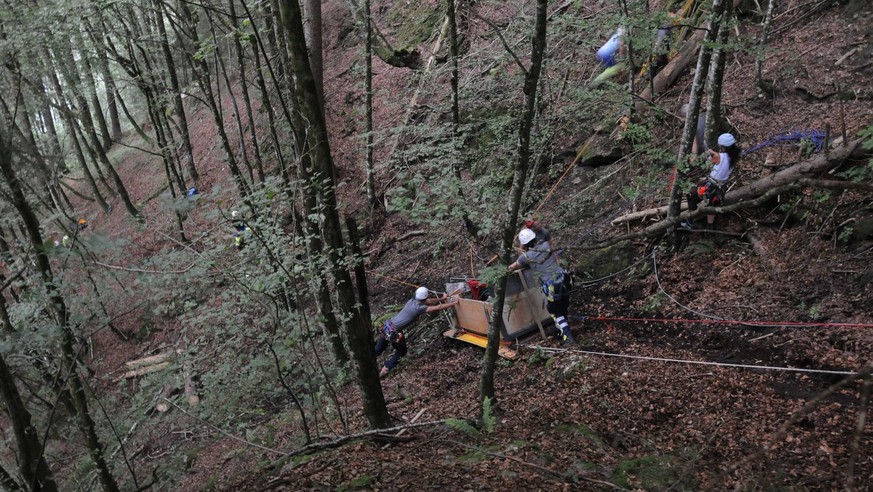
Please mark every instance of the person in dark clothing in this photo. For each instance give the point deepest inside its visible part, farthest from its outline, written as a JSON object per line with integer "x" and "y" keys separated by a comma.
{"x": 392, "y": 331}
{"x": 711, "y": 188}
{"x": 557, "y": 284}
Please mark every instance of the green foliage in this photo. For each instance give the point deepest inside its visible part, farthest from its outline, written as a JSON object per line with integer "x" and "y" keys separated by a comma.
{"x": 654, "y": 302}
{"x": 488, "y": 419}
{"x": 649, "y": 473}
{"x": 358, "y": 483}
{"x": 462, "y": 426}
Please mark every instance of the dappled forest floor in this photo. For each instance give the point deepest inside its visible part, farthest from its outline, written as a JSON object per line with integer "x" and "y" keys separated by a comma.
{"x": 574, "y": 418}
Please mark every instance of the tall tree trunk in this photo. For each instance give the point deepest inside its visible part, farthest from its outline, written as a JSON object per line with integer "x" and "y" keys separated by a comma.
{"x": 90, "y": 86}
{"x": 267, "y": 105}
{"x": 31, "y": 460}
{"x": 312, "y": 28}
{"x": 244, "y": 89}
{"x": 71, "y": 74}
{"x": 201, "y": 75}
{"x": 72, "y": 133}
{"x": 176, "y": 94}
{"x": 452, "y": 15}
{"x": 59, "y": 308}
{"x": 221, "y": 69}
{"x": 764, "y": 85}
{"x": 697, "y": 87}
{"x": 318, "y": 147}
{"x": 510, "y": 218}
{"x": 371, "y": 180}
{"x": 108, "y": 81}
{"x": 714, "y": 116}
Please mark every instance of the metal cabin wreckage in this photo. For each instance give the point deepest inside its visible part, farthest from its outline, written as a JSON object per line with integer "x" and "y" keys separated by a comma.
{"x": 523, "y": 312}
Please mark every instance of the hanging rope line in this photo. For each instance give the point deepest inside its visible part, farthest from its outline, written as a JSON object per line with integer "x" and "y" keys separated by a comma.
{"x": 722, "y": 321}
{"x": 694, "y": 362}
{"x": 661, "y": 288}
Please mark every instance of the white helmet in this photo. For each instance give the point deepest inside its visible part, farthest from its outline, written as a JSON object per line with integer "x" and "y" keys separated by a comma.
{"x": 526, "y": 235}
{"x": 234, "y": 214}
{"x": 726, "y": 140}
{"x": 421, "y": 293}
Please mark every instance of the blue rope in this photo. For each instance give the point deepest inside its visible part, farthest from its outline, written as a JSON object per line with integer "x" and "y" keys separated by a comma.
{"x": 790, "y": 137}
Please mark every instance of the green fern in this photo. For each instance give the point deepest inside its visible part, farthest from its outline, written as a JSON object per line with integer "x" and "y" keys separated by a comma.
{"x": 488, "y": 419}
{"x": 463, "y": 426}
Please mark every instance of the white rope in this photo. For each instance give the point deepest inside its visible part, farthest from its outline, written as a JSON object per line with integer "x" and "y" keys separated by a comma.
{"x": 661, "y": 288}
{"x": 695, "y": 362}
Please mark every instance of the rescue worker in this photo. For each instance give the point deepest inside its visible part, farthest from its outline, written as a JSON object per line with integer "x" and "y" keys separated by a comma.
{"x": 240, "y": 230}
{"x": 556, "y": 282}
{"x": 711, "y": 189}
{"x": 392, "y": 331}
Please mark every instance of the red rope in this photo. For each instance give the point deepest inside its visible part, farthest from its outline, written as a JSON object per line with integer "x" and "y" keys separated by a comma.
{"x": 735, "y": 322}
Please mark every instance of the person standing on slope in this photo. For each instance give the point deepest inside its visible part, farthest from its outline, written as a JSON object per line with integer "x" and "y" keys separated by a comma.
{"x": 557, "y": 283}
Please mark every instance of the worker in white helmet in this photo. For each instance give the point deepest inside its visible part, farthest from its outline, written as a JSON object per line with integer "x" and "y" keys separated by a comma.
{"x": 711, "y": 189}
{"x": 392, "y": 330}
{"x": 240, "y": 228}
{"x": 539, "y": 256}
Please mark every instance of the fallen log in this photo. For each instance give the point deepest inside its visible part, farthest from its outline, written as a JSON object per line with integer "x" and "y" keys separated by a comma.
{"x": 668, "y": 75}
{"x": 148, "y": 361}
{"x": 145, "y": 370}
{"x": 793, "y": 176}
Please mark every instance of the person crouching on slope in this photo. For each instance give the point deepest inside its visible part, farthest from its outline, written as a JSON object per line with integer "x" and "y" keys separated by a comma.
{"x": 392, "y": 330}
{"x": 557, "y": 284}
{"x": 712, "y": 187}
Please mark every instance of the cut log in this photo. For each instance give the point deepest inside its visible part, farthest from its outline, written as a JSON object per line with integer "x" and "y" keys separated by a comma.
{"x": 163, "y": 406}
{"x": 145, "y": 370}
{"x": 148, "y": 361}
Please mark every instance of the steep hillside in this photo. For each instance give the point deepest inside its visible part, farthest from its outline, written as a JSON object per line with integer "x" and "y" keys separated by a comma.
{"x": 683, "y": 377}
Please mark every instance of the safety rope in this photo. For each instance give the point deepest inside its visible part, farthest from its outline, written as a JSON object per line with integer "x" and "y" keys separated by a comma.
{"x": 693, "y": 362}
{"x": 722, "y": 321}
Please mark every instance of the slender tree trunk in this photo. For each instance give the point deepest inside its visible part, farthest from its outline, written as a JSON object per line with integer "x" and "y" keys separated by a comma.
{"x": 714, "y": 116}
{"x": 266, "y": 104}
{"x": 31, "y": 460}
{"x": 318, "y": 147}
{"x": 312, "y": 28}
{"x": 108, "y": 82}
{"x": 59, "y": 308}
{"x": 221, "y": 69}
{"x": 74, "y": 139}
{"x": 531, "y": 82}
{"x": 371, "y": 180}
{"x": 201, "y": 75}
{"x": 87, "y": 76}
{"x": 694, "y": 106}
{"x": 452, "y": 15}
{"x": 96, "y": 146}
{"x": 765, "y": 86}
{"x": 244, "y": 89}
{"x": 176, "y": 94}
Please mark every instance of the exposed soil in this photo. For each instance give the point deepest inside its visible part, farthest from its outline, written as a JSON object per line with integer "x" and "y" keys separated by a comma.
{"x": 570, "y": 419}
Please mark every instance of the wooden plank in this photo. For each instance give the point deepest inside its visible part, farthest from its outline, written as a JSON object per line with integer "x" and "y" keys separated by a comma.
{"x": 471, "y": 315}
